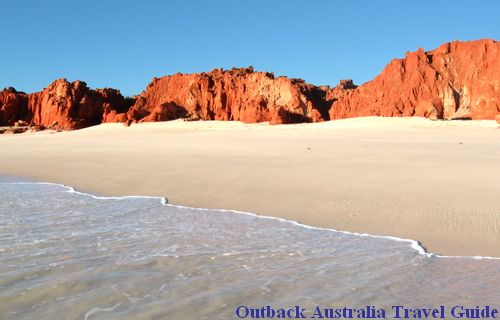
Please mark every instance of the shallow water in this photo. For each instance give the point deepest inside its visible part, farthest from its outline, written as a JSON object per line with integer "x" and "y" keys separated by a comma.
{"x": 67, "y": 255}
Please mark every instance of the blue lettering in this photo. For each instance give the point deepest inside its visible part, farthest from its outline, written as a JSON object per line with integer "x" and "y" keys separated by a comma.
{"x": 238, "y": 312}
{"x": 397, "y": 309}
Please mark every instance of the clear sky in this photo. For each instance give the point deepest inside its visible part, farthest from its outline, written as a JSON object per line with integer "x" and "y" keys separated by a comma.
{"x": 123, "y": 44}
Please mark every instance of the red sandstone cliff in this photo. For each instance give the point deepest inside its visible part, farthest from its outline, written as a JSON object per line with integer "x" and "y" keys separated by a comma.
{"x": 237, "y": 94}
{"x": 13, "y": 106}
{"x": 456, "y": 80}
{"x": 62, "y": 105}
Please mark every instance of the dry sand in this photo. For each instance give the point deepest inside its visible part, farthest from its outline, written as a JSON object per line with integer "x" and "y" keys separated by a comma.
{"x": 434, "y": 181}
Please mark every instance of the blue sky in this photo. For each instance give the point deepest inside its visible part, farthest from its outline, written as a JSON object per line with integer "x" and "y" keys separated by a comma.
{"x": 123, "y": 44}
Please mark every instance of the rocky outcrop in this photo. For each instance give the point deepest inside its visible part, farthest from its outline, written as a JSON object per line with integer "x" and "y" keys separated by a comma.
{"x": 237, "y": 94}
{"x": 114, "y": 105}
{"x": 13, "y": 106}
{"x": 340, "y": 91}
{"x": 72, "y": 105}
{"x": 458, "y": 80}
{"x": 455, "y": 81}
{"x": 63, "y": 105}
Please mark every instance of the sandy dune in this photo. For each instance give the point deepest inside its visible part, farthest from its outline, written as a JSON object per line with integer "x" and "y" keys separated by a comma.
{"x": 433, "y": 181}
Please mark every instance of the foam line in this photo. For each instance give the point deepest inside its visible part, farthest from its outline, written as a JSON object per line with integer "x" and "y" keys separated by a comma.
{"x": 99, "y": 309}
{"x": 414, "y": 244}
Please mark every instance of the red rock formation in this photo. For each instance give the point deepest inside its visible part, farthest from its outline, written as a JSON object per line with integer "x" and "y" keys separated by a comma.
{"x": 12, "y": 106}
{"x": 237, "y": 94}
{"x": 63, "y": 105}
{"x": 114, "y": 105}
{"x": 456, "y": 80}
{"x": 73, "y": 105}
{"x": 340, "y": 91}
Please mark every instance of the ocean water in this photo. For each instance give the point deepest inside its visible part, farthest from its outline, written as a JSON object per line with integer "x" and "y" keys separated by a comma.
{"x": 68, "y": 255}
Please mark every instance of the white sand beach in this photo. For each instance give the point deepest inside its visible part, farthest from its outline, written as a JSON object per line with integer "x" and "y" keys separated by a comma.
{"x": 437, "y": 182}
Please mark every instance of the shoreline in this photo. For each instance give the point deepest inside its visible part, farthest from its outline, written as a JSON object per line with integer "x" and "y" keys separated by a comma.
{"x": 413, "y": 244}
{"x": 269, "y": 171}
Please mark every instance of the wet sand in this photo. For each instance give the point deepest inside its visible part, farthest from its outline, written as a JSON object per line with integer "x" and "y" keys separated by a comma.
{"x": 433, "y": 181}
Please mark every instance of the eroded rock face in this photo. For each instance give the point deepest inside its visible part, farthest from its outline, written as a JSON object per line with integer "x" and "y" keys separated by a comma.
{"x": 72, "y": 105}
{"x": 237, "y": 94}
{"x": 13, "y": 106}
{"x": 114, "y": 105}
{"x": 340, "y": 91}
{"x": 455, "y": 81}
{"x": 63, "y": 105}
